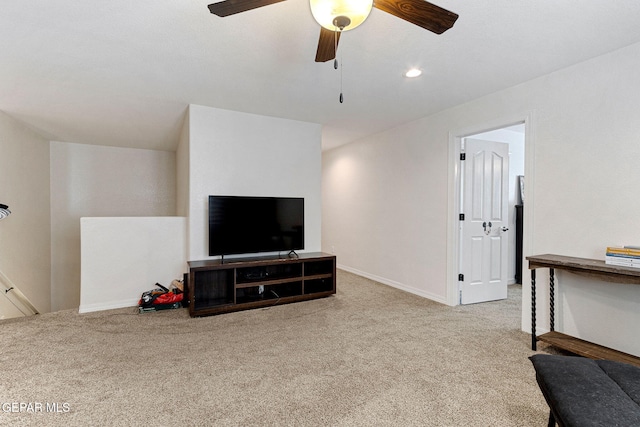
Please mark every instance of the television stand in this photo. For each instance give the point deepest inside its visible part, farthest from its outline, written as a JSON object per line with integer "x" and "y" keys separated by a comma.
{"x": 236, "y": 284}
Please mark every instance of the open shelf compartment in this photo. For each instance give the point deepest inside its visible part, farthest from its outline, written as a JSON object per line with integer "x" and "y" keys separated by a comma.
{"x": 213, "y": 288}
{"x": 268, "y": 273}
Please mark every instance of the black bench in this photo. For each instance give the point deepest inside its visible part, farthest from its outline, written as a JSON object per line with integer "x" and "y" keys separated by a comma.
{"x": 583, "y": 392}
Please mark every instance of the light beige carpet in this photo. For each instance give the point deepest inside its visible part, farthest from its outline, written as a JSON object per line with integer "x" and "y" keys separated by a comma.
{"x": 370, "y": 355}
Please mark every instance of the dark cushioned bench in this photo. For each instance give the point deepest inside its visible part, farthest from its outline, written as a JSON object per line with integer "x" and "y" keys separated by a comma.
{"x": 583, "y": 392}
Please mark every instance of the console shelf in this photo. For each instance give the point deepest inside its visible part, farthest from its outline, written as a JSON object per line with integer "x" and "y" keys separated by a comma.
{"x": 596, "y": 269}
{"x": 217, "y": 286}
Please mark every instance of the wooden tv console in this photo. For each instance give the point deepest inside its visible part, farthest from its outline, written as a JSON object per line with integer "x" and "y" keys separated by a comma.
{"x": 217, "y": 286}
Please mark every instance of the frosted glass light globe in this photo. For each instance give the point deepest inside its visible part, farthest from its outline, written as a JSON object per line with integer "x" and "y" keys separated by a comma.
{"x": 325, "y": 11}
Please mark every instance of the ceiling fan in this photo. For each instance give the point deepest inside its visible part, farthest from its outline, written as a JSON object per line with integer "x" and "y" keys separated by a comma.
{"x": 336, "y": 16}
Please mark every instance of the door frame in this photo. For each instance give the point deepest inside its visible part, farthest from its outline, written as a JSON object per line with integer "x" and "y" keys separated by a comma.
{"x": 453, "y": 209}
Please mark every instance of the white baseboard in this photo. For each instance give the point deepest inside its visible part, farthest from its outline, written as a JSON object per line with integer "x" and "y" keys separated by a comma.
{"x": 88, "y": 308}
{"x": 393, "y": 284}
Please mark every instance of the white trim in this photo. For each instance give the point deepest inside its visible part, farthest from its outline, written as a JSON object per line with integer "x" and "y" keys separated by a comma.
{"x": 88, "y": 308}
{"x": 529, "y": 172}
{"x": 453, "y": 223}
{"x": 528, "y": 234}
{"x": 393, "y": 284}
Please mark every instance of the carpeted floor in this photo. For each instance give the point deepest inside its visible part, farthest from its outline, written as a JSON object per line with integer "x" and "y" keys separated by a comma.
{"x": 369, "y": 356}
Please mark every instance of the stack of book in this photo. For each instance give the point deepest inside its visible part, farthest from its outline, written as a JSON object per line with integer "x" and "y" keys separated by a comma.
{"x": 626, "y": 256}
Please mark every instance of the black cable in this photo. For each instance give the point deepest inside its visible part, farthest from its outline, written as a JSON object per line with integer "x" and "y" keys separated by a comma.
{"x": 276, "y": 301}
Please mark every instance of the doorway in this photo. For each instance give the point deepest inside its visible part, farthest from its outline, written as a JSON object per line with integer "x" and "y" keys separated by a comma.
{"x": 461, "y": 261}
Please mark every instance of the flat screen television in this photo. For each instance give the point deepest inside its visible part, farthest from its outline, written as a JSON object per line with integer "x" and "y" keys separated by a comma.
{"x": 243, "y": 225}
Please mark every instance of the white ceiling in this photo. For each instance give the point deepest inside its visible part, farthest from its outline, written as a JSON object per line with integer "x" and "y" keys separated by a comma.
{"x": 123, "y": 72}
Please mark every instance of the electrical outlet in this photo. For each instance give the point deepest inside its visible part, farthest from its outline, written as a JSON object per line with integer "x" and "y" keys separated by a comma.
{"x": 333, "y": 250}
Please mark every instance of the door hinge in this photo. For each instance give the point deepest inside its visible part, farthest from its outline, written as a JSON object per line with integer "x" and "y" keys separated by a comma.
{"x": 460, "y": 277}
{"x": 463, "y": 156}
{"x": 462, "y": 217}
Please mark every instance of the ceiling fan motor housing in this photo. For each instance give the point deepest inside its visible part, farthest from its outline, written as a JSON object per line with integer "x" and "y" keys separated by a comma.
{"x": 341, "y": 22}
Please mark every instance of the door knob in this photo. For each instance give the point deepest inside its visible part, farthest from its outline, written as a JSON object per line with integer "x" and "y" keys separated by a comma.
{"x": 505, "y": 228}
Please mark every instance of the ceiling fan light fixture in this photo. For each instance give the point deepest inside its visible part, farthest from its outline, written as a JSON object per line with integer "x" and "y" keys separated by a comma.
{"x": 340, "y": 14}
{"x": 4, "y": 211}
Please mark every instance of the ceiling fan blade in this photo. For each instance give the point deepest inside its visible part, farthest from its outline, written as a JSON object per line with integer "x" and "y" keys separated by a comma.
{"x": 231, "y": 7}
{"x": 419, "y": 12}
{"x": 327, "y": 45}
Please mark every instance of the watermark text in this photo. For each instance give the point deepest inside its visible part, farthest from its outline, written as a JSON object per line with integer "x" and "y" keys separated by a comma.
{"x": 35, "y": 407}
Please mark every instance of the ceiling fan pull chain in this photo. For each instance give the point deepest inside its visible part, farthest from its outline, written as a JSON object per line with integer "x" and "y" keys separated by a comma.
{"x": 341, "y": 67}
{"x": 335, "y": 57}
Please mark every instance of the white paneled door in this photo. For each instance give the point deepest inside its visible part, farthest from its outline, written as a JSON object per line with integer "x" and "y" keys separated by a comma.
{"x": 484, "y": 242}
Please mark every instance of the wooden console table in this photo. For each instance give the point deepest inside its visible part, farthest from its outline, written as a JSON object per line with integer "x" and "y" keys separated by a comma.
{"x": 595, "y": 269}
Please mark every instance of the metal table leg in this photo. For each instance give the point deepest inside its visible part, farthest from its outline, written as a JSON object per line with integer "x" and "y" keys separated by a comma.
{"x": 552, "y": 300}
{"x": 534, "y": 340}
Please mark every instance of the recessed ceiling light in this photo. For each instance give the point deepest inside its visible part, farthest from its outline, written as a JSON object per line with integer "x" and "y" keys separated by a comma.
{"x": 414, "y": 72}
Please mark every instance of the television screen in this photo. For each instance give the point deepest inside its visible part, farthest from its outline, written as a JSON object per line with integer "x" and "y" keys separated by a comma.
{"x": 242, "y": 225}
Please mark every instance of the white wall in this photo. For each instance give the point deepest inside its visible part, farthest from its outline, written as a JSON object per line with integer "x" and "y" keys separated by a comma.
{"x": 25, "y": 235}
{"x": 385, "y": 197}
{"x": 385, "y": 206}
{"x": 124, "y": 257}
{"x": 242, "y": 154}
{"x": 220, "y": 152}
{"x": 90, "y": 180}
